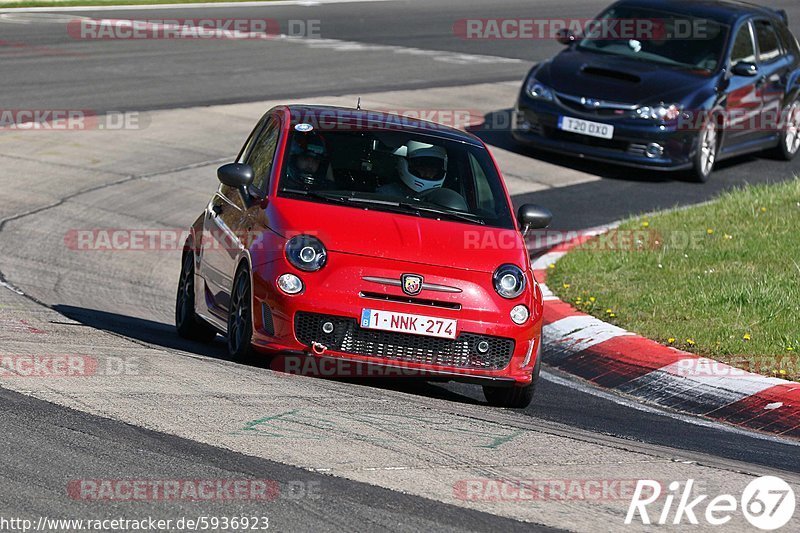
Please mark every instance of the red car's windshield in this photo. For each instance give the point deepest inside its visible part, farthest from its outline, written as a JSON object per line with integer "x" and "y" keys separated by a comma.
{"x": 423, "y": 175}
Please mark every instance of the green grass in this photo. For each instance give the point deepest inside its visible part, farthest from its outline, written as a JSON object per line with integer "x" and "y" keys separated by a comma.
{"x": 720, "y": 280}
{"x": 58, "y": 3}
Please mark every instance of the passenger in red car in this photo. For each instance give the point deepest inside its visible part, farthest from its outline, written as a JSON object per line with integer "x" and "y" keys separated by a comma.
{"x": 308, "y": 160}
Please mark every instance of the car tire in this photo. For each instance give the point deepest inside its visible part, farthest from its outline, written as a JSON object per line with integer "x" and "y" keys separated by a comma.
{"x": 188, "y": 324}
{"x": 513, "y": 397}
{"x": 240, "y": 318}
{"x": 706, "y": 153}
{"x": 789, "y": 143}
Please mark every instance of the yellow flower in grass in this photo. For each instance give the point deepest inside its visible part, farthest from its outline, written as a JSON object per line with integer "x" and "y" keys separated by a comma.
{"x": 746, "y": 336}
{"x": 690, "y": 342}
{"x": 551, "y": 265}
{"x": 609, "y": 311}
{"x": 782, "y": 372}
{"x": 728, "y": 237}
{"x": 592, "y": 299}
{"x": 670, "y": 340}
{"x": 645, "y": 224}
{"x": 566, "y": 285}
{"x": 763, "y": 209}
{"x": 710, "y": 231}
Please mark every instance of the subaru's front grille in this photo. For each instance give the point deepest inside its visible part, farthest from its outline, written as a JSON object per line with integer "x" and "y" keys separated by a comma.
{"x": 595, "y": 107}
{"x": 348, "y": 337}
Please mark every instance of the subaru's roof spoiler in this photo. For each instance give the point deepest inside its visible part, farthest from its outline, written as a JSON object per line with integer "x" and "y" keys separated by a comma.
{"x": 783, "y": 15}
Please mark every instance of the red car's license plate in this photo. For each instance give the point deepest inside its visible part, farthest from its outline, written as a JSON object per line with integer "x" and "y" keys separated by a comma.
{"x": 405, "y": 323}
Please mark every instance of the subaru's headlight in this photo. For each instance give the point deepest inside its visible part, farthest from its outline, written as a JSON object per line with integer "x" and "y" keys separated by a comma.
{"x": 509, "y": 281}
{"x": 659, "y": 112}
{"x": 306, "y": 253}
{"x": 538, "y": 90}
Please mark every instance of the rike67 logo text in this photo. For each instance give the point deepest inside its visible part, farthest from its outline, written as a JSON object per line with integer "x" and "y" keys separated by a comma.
{"x": 767, "y": 503}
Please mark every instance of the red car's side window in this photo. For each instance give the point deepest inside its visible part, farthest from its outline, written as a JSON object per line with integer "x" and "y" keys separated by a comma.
{"x": 262, "y": 156}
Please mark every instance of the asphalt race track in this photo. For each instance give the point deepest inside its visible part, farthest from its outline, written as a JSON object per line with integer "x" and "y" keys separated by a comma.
{"x": 364, "y": 455}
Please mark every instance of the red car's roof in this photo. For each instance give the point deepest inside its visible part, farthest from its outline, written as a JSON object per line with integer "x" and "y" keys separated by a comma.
{"x": 354, "y": 119}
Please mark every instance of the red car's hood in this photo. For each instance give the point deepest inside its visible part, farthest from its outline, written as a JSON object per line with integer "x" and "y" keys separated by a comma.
{"x": 395, "y": 236}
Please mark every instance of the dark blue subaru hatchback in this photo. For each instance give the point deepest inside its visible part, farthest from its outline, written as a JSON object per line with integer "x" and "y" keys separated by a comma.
{"x": 667, "y": 84}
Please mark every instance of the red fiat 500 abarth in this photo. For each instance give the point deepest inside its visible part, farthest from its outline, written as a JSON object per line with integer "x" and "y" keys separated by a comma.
{"x": 368, "y": 238}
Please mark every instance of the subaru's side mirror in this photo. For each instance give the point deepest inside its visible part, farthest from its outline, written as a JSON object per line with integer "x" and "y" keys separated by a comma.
{"x": 565, "y": 37}
{"x": 744, "y": 68}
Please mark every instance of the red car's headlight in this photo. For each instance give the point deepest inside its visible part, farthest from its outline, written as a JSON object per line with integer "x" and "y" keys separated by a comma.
{"x": 509, "y": 281}
{"x": 306, "y": 252}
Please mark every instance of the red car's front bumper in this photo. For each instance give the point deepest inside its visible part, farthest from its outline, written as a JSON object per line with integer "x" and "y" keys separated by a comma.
{"x": 339, "y": 292}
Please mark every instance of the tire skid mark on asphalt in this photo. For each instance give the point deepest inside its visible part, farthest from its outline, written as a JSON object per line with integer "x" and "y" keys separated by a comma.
{"x": 394, "y": 426}
{"x": 5, "y": 283}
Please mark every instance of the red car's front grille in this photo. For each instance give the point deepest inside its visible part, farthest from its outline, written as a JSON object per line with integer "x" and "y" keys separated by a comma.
{"x": 348, "y": 337}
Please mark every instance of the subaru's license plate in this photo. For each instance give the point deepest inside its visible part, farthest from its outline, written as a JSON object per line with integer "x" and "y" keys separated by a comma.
{"x": 405, "y": 323}
{"x": 586, "y": 127}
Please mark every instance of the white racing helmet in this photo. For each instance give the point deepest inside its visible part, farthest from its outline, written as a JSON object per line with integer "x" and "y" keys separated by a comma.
{"x": 424, "y": 166}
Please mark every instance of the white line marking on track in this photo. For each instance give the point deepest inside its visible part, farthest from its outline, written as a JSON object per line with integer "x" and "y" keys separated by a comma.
{"x": 11, "y": 288}
{"x": 149, "y": 7}
{"x": 437, "y": 55}
{"x": 38, "y": 18}
{"x": 111, "y": 25}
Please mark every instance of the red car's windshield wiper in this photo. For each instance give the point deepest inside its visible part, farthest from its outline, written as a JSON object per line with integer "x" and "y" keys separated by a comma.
{"x": 460, "y": 215}
{"x": 397, "y": 206}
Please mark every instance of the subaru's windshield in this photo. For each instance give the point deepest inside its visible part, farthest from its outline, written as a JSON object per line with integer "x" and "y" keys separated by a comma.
{"x": 397, "y": 171}
{"x": 657, "y": 36}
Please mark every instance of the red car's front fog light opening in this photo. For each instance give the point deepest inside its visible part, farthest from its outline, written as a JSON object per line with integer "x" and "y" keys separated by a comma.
{"x": 290, "y": 284}
{"x": 520, "y": 314}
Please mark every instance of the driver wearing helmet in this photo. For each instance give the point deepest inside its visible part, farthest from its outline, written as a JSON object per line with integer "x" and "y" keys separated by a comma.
{"x": 307, "y": 160}
{"x": 422, "y": 168}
